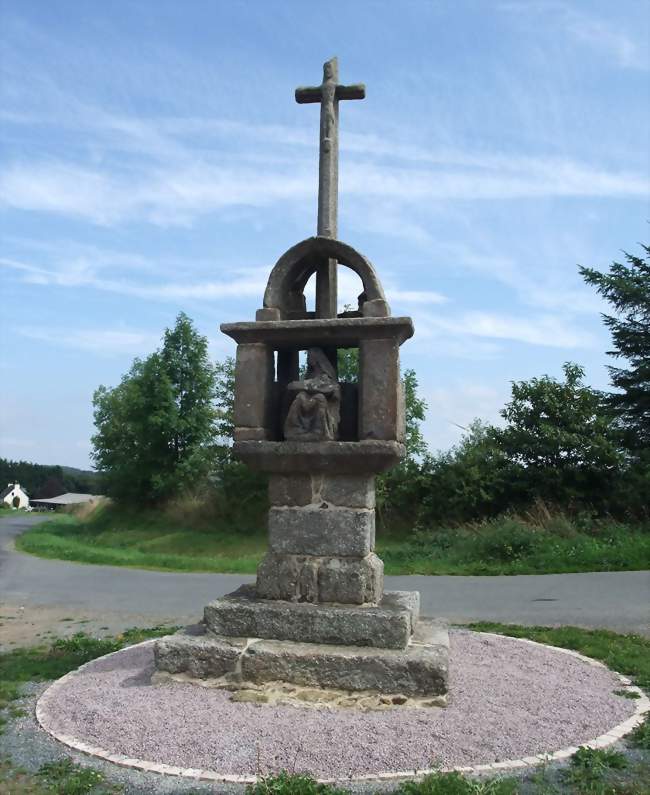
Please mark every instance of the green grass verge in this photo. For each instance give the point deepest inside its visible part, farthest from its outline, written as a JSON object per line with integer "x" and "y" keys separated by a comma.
{"x": 42, "y": 663}
{"x": 591, "y": 772}
{"x": 174, "y": 541}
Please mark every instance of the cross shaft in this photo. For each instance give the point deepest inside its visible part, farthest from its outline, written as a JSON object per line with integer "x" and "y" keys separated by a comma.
{"x": 328, "y": 94}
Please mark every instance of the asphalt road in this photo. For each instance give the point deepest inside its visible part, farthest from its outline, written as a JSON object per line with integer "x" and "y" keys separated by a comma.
{"x": 614, "y": 600}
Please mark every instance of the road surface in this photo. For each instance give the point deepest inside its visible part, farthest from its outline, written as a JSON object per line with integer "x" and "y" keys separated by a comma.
{"x": 44, "y": 593}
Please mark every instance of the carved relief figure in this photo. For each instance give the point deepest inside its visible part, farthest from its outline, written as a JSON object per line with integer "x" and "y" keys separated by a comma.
{"x": 314, "y": 413}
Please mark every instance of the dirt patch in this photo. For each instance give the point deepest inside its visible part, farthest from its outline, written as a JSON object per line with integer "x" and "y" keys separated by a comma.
{"x": 31, "y": 625}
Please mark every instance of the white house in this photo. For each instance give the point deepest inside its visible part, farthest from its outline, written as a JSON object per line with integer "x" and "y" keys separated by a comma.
{"x": 14, "y": 496}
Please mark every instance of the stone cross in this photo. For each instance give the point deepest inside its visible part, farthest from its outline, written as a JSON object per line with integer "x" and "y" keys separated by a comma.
{"x": 328, "y": 94}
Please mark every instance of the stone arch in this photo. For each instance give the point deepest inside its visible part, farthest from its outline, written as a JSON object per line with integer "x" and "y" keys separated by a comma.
{"x": 284, "y": 289}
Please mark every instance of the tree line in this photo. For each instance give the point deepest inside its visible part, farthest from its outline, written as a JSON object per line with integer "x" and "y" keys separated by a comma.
{"x": 165, "y": 431}
{"x": 41, "y": 481}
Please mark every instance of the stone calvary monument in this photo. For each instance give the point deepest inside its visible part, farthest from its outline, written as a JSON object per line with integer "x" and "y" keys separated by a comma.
{"x": 318, "y": 615}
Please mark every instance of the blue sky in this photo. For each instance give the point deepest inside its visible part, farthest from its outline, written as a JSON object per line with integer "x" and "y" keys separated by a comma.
{"x": 152, "y": 160}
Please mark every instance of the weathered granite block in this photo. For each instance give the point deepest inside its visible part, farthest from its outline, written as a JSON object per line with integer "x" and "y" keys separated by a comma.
{"x": 351, "y": 580}
{"x": 388, "y": 625}
{"x": 290, "y": 490}
{"x": 401, "y": 413}
{"x": 419, "y": 670}
{"x": 354, "y": 458}
{"x": 254, "y": 373}
{"x": 345, "y": 491}
{"x": 376, "y": 308}
{"x": 306, "y": 578}
{"x": 313, "y": 530}
{"x": 198, "y": 655}
{"x": 348, "y": 490}
{"x": 379, "y": 385}
{"x": 335, "y": 332}
{"x": 267, "y": 313}
{"x": 406, "y": 600}
{"x": 288, "y": 577}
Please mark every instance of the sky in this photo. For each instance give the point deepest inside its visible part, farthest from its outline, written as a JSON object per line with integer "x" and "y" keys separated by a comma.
{"x": 153, "y": 160}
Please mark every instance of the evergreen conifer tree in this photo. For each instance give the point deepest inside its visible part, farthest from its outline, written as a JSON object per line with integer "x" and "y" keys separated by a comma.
{"x": 627, "y": 288}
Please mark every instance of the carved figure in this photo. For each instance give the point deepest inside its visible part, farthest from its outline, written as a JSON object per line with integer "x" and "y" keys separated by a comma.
{"x": 314, "y": 413}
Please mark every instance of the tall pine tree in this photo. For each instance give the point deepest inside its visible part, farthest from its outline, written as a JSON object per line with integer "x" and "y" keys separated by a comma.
{"x": 627, "y": 288}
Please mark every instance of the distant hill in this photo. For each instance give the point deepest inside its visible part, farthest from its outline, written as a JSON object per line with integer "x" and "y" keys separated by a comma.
{"x": 79, "y": 473}
{"x": 43, "y": 480}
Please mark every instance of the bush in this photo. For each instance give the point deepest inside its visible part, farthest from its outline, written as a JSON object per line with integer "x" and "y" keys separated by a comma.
{"x": 505, "y": 541}
{"x": 456, "y": 784}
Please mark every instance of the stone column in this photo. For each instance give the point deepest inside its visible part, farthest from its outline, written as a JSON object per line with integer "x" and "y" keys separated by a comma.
{"x": 381, "y": 400}
{"x": 321, "y": 540}
{"x": 254, "y": 373}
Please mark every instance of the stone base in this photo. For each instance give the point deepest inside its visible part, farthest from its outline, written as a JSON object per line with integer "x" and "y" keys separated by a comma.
{"x": 388, "y": 625}
{"x": 282, "y": 694}
{"x": 419, "y": 670}
{"x": 312, "y": 578}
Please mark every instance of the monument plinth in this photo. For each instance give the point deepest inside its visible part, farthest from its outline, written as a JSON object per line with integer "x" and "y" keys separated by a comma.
{"x": 318, "y": 615}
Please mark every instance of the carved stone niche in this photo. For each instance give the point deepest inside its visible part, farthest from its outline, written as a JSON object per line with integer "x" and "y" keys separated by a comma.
{"x": 267, "y": 379}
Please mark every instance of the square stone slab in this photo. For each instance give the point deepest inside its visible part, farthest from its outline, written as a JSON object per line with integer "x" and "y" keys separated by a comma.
{"x": 388, "y": 625}
{"x": 419, "y": 670}
{"x": 196, "y": 654}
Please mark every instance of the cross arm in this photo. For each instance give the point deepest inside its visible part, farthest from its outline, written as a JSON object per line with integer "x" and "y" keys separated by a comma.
{"x": 305, "y": 95}
{"x": 357, "y": 91}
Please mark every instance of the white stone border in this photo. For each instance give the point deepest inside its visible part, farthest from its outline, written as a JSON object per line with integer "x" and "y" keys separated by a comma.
{"x": 610, "y": 737}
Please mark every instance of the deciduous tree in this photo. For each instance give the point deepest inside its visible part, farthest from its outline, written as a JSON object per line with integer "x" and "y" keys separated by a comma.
{"x": 156, "y": 429}
{"x": 559, "y": 437}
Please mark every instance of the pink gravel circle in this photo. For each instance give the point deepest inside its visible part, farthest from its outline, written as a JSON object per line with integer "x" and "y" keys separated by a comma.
{"x": 508, "y": 700}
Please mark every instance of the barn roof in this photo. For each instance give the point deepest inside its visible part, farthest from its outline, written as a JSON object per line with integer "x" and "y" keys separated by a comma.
{"x": 69, "y": 498}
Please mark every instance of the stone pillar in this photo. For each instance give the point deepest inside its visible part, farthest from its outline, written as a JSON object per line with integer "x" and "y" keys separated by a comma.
{"x": 381, "y": 404}
{"x": 321, "y": 540}
{"x": 254, "y": 373}
{"x": 288, "y": 366}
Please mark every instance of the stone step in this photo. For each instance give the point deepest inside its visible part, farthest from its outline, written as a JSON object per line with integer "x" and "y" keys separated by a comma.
{"x": 388, "y": 625}
{"x": 419, "y": 670}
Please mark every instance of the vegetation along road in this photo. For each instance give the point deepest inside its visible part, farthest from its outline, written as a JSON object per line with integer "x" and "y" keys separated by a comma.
{"x": 120, "y": 597}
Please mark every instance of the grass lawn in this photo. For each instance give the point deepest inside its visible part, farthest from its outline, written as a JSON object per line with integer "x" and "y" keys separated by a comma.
{"x": 196, "y": 541}
{"x": 598, "y": 772}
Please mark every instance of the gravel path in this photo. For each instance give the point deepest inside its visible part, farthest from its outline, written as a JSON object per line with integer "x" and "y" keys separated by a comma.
{"x": 508, "y": 700}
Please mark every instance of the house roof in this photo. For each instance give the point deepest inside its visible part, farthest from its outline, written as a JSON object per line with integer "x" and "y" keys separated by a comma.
{"x": 70, "y": 498}
{"x": 9, "y": 489}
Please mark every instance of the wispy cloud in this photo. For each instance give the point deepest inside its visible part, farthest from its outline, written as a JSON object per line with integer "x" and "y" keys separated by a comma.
{"x": 81, "y": 274}
{"x": 536, "y": 277}
{"x": 545, "y": 330}
{"x": 87, "y": 272}
{"x": 416, "y": 296}
{"x": 626, "y": 48}
{"x": 176, "y": 195}
{"x": 150, "y": 172}
{"x": 107, "y": 342}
